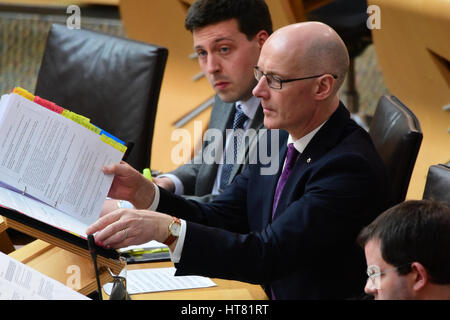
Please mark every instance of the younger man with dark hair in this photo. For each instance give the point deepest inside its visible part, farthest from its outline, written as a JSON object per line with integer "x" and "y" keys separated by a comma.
{"x": 407, "y": 252}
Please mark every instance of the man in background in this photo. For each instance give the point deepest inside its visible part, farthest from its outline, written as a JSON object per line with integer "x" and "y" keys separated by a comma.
{"x": 228, "y": 36}
{"x": 407, "y": 252}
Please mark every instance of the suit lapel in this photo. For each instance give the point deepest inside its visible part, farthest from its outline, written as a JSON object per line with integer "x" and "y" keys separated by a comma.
{"x": 326, "y": 138}
{"x": 221, "y": 111}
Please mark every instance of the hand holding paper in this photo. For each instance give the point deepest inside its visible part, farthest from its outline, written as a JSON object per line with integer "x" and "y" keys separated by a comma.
{"x": 129, "y": 184}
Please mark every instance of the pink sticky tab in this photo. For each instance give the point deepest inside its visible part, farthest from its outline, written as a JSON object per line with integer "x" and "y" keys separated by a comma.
{"x": 48, "y": 104}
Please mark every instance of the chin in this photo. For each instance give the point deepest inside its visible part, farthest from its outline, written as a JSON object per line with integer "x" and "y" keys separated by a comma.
{"x": 271, "y": 124}
{"x": 227, "y": 97}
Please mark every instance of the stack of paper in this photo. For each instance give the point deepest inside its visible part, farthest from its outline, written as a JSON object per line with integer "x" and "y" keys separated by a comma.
{"x": 51, "y": 161}
{"x": 20, "y": 282}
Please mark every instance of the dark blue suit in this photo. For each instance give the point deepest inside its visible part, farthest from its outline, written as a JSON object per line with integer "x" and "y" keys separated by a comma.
{"x": 309, "y": 250}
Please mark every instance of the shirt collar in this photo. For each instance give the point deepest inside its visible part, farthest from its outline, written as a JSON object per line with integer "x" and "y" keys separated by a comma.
{"x": 301, "y": 143}
{"x": 249, "y": 107}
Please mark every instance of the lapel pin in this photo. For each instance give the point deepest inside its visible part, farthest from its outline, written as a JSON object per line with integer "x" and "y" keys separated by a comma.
{"x": 308, "y": 160}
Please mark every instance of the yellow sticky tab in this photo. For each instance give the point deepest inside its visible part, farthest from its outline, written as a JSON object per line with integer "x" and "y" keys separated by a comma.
{"x": 24, "y": 93}
{"x": 113, "y": 143}
{"x": 66, "y": 113}
{"x": 93, "y": 128}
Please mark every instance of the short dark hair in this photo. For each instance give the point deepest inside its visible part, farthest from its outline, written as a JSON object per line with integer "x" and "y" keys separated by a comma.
{"x": 414, "y": 231}
{"x": 252, "y": 15}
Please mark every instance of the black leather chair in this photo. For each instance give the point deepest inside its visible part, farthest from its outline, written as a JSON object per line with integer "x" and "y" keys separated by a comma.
{"x": 397, "y": 136}
{"x": 437, "y": 186}
{"x": 115, "y": 82}
{"x": 348, "y": 18}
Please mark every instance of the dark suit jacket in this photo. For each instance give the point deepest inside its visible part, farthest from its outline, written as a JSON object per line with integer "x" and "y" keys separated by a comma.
{"x": 337, "y": 186}
{"x": 197, "y": 176}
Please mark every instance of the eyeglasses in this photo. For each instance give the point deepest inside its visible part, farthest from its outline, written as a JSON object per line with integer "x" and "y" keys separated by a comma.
{"x": 374, "y": 273}
{"x": 275, "y": 82}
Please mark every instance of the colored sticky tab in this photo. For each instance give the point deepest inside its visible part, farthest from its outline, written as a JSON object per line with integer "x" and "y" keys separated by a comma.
{"x": 48, "y": 104}
{"x": 24, "y": 93}
{"x": 112, "y": 137}
{"x": 113, "y": 143}
{"x": 93, "y": 128}
{"x": 76, "y": 118}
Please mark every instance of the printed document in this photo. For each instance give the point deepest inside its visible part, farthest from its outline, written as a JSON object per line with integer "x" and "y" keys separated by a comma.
{"x": 20, "y": 282}
{"x": 160, "y": 279}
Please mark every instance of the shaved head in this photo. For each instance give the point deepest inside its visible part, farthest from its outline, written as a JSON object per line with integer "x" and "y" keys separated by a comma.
{"x": 312, "y": 48}
{"x": 313, "y": 61}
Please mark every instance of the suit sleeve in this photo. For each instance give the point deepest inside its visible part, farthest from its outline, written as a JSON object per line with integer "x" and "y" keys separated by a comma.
{"x": 188, "y": 173}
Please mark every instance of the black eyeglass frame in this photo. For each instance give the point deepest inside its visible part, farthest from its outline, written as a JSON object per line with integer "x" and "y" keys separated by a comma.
{"x": 256, "y": 72}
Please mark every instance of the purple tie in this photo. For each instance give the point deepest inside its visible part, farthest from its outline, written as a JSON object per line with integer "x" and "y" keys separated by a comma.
{"x": 291, "y": 157}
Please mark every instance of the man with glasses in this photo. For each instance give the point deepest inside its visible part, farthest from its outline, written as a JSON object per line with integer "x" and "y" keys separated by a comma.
{"x": 293, "y": 231}
{"x": 407, "y": 252}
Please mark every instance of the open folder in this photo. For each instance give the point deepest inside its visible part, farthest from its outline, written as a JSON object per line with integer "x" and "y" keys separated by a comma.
{"x": 50, "y": 167}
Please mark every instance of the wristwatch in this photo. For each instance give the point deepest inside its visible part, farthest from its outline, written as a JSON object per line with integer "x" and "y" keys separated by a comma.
{"x": 174, "y": 231}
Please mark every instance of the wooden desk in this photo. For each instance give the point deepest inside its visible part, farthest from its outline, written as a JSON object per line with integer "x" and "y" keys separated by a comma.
{"x": 225, "y": 289}
{"x": 3, "y": 226}
{"x": 6, "y": 245}
{"x": 56, "y": 262}
{"x": 59, "y": 3}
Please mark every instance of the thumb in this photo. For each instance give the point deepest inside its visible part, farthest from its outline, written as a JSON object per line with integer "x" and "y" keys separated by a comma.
{"x": 117, "y": 169}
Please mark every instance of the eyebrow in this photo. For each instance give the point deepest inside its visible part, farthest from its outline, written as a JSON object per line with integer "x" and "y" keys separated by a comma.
{"x": 216, "y": 41}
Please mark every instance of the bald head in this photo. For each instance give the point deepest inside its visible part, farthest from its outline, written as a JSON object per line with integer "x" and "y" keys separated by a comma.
{"x": 311, "y": 48}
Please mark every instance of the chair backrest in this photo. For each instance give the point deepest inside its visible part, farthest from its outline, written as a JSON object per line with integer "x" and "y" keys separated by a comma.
{"x": 396, "y": 134}
{"x": 437, "y": 186}
{"x": 115, "y": 82}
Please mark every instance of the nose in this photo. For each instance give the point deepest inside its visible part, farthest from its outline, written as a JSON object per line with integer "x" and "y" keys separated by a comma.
{"x": 370, "y": 288}
{"x": 261, "y": 89}
{"x": 212, "y": 65}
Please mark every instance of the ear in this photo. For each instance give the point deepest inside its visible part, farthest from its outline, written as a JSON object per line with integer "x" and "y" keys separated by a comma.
{"x": 261, "y": 37}
{"x": 324, "y": 87}
{"x": 420, "y": 276}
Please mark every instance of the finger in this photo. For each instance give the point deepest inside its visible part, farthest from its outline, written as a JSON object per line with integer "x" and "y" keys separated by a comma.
{"x": 118, "y": 169}
{"x": 110, "y": 169}
{"x": 110, "y": 234}
{"x": 118, "y": 239}
{"x": 104, "y": 221}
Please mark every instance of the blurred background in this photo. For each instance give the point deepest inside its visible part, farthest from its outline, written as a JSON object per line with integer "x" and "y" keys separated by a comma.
{"x": 24, "y": 26}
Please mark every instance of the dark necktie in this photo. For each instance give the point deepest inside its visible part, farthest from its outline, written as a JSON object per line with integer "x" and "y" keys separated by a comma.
{"x": 291, "y": 157}
{"x": 238, "y": 123}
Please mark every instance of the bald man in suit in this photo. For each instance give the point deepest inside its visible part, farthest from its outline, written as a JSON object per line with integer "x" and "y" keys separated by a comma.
{"x": 294, "y": 231}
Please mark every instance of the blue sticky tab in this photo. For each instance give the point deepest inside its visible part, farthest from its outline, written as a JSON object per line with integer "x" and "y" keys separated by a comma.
{"x": 112, "y": 137}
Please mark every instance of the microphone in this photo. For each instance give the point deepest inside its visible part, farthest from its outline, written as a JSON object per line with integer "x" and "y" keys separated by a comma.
{"x": 91, "y": 245}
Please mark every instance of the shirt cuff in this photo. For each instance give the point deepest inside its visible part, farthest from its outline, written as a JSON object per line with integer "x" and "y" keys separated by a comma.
{"x": 155, "y": 202}
{"x": 179, "y": 187}
{"x": 175, "y": 256}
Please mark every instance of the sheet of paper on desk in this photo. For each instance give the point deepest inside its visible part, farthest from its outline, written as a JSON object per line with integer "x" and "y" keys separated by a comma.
{"x": 149, "y": 245}
{"x": 160, "y": 279}
{"x": 20, "y": 282}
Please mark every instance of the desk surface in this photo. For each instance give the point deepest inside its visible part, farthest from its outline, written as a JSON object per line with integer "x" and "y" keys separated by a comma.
{"x": 225, "y": 289}
{"x": 3, "y": 226}
{"x": 54, "y": 262}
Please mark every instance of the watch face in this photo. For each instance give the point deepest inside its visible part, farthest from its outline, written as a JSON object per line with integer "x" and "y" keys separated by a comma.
{"x": 175, "y": 229}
